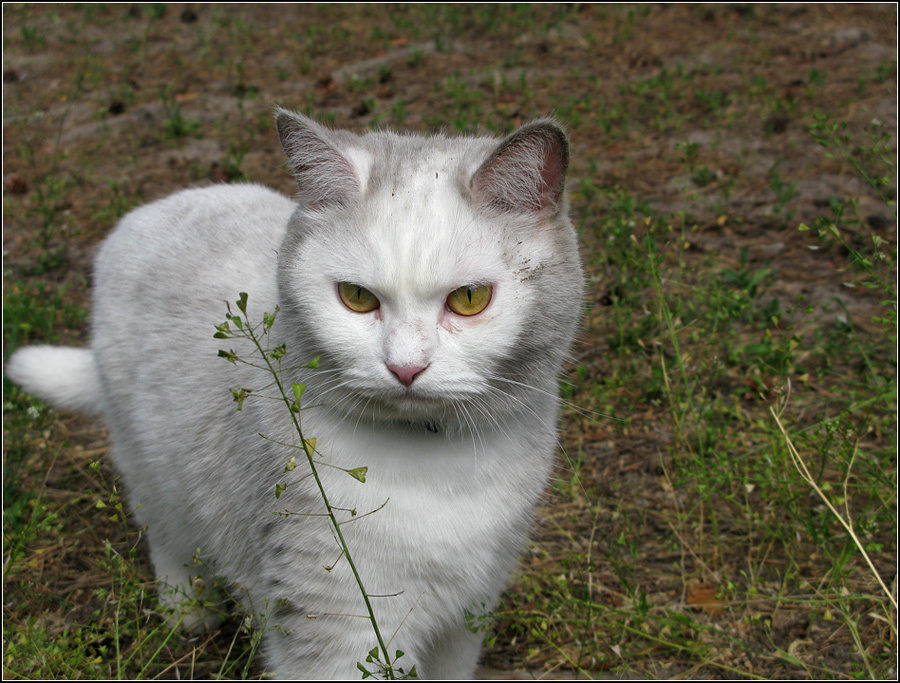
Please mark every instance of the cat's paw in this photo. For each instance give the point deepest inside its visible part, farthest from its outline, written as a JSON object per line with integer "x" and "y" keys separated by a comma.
{"x": 193, "y": 613}
{"x": 192, "y": 618}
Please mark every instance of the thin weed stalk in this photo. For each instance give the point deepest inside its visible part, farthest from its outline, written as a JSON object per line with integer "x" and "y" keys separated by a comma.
{"x": 245, "y": 330}
{"x": 846, "y": 522}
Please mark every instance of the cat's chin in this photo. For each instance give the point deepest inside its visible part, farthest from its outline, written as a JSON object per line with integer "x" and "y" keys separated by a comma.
{"x": 418, "y": 410}
{"x": 412, "y": 407}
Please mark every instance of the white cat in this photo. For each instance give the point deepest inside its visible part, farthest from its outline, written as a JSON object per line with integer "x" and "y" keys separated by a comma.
{"x": 438, "y": 282}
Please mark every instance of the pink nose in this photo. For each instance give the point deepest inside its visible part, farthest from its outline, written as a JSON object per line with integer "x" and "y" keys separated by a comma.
{"x": 406, "y": 373}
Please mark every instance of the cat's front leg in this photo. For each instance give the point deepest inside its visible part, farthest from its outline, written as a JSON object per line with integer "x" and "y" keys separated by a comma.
{"x": 299, "y": 646}
{"x": 186, "y": 588}
{"x": 454, "y": 656}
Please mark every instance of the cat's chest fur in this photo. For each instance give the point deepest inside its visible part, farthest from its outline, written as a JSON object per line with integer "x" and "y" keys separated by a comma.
{"x": 458, "y": 507}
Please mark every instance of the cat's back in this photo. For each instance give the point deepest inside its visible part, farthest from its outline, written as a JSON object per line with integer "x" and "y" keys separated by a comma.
{"x": 180, "y": 258}
{"x": 193, "y": 234}
{"x": 162, "y": 277}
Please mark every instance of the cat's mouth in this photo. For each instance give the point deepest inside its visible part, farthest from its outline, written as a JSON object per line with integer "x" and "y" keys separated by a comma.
{"x": 419, "y": 403}
{"x": 412, "y": 400}
{"x": 407, "y": 404}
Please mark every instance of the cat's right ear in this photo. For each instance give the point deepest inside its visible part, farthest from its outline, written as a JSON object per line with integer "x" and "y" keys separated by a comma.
{"x": 326, "y": 177}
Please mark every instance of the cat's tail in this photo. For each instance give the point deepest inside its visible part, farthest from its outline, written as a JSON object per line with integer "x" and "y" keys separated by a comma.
{"x": 63, "y": 376}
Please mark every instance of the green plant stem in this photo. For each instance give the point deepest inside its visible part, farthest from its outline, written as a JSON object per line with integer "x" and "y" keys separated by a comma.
{"x": 309, "y": 451}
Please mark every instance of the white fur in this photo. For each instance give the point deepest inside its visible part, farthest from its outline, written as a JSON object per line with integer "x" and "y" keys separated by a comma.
{"x": 456, "y": 461}
{"x": 62, "y": 376}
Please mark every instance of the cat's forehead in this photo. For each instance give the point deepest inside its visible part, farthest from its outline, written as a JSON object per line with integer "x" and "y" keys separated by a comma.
{"x": 420, "y": 235}
{"x": 415, "y": 231}
{"x": 384, "y": 161}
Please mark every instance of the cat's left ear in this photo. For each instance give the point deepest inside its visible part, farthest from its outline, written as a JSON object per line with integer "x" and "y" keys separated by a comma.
{"x": 527, "y": 171}
{"x": 325, "y": 174}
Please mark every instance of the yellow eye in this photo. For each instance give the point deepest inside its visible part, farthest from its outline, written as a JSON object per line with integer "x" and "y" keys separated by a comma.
{"x": 357, "y": 298}
{"x": 470, "y": 299}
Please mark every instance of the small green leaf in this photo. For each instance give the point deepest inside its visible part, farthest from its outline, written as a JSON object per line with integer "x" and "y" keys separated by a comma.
{"x": 240, "y": 395}
{"x": 268, "y": 320}
{"x": 101, "y": 504}
{"x": 278, "y": 352}
{"x": 359, "y": 473}
{"x": 242, "y": 303}
{"x": 237, "y": 323}
{"x": 230, "y": 356}
{"x": 313, "y": 364}
{"x": 309, "y": 445}
{"x": 291, "y": 464}
{"x": 298, "y": 390}
{"x": 279, "y": 489}
{"x": 791, "y": 659}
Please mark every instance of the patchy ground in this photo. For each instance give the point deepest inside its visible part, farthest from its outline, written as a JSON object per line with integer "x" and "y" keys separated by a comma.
{"x": 691, "y": 134}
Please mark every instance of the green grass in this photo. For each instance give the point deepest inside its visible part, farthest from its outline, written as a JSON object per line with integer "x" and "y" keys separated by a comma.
{"x": 33, "y": 313}
{"x": 712, "y": 350}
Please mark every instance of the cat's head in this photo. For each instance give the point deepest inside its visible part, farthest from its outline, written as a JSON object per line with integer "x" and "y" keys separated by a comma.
{"x": 438, "y": 278}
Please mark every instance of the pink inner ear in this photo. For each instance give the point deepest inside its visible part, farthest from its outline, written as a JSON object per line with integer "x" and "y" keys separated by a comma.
{"x": 553, "y": 173}
{"x": 526, "y": 173}
{"x": 325, "y": 177}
